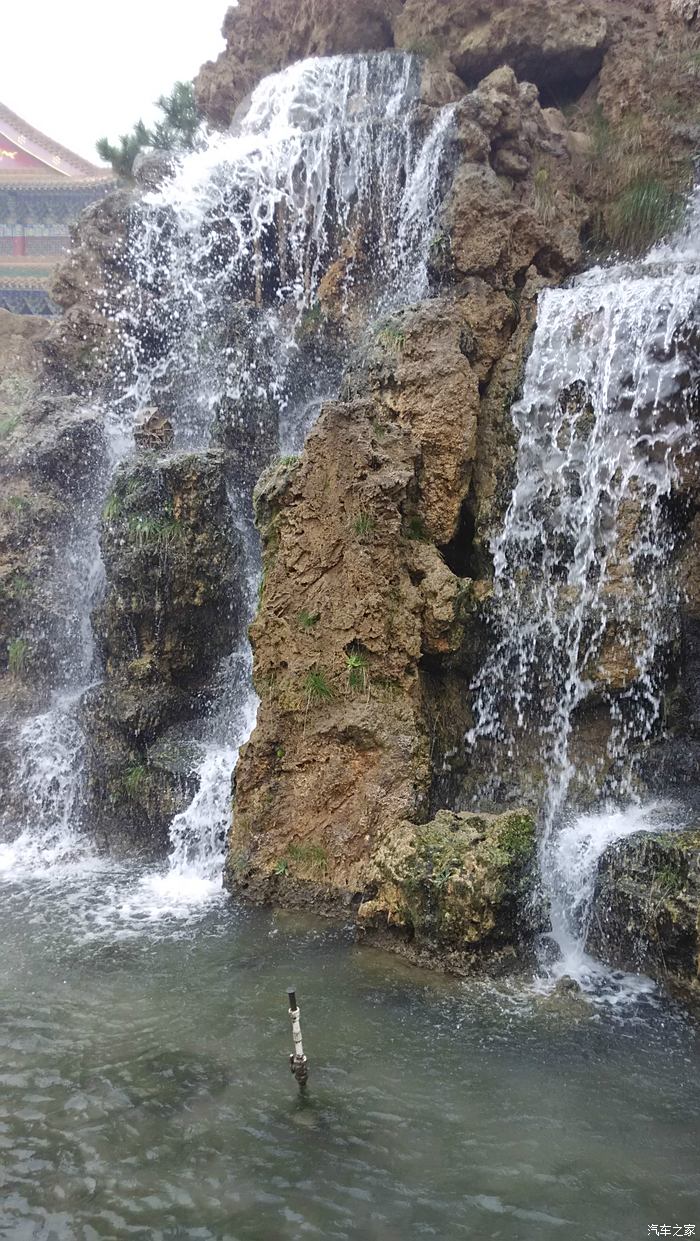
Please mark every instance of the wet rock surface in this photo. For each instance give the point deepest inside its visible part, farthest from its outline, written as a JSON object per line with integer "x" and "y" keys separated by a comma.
{"x": 82, "y": 346}
{"x": 377, "y": 576}
{"x": 559, "y": 46}
{"x": 461, "y": 885}
{"x": 167, "y": 619}
{"x": 50, "y": 453}
{"x": 646, "y": 907}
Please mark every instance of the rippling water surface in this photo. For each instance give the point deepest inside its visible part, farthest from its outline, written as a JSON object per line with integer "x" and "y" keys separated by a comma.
{"x": 144, "y": 1087}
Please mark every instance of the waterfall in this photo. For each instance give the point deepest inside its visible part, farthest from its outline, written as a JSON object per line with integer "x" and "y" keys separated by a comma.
{"x": 585, "y": 601}
{"x": 49, "y": 748}
{"x": 336, "y": 173}
{"x": 331, "y": 165}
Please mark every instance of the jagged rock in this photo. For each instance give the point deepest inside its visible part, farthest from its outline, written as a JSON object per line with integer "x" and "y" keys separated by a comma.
{"x": 558, "y": 46}
{"x": 151, "y": 168}
{"x": 50, "y": 453}
{"x": 496, "y": 231}
{"x": 355, "y": 593}
{"x": 261, "y": 41}
{"x": 439, "y": 86}
{"x": 459, "y": 884}
{"x": 170, "y": 554}
{"x": 80, "y": 346}
{"x": 646, "y": 907}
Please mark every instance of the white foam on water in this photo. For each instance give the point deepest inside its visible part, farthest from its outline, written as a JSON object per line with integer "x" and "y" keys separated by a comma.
{"x": 571, "y": 869}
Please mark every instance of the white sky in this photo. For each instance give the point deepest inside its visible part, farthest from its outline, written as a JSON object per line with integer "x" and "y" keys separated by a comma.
{"x": 83, "y": 69}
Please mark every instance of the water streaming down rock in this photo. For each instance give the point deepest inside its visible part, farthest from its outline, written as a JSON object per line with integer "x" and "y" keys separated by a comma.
{"x": 585, "y": 598}
{"x": 43, "y": 817}
{"x": 332, "y": 175}
{"x": 335, "y": 174}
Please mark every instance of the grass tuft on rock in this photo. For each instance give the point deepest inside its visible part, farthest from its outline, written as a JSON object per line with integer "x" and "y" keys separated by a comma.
{"x": 363, "y": 526}
{"x": 318, "y": 688}
{"x": 17, "y": 657}
{"x": 357, "y": 671}
{"x": 307, "y": 620}
{"x": 644, "y": 213}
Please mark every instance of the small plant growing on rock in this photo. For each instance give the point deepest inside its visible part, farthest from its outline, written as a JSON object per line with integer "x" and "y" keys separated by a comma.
{"x": 363, "y": 526}
{"x": 134, "y": 780}
{"x": 643, "y": 213}
{"x": 544, "y": 197}
{"x": 356, "y": 671}
{"x": 391, "y": 337}
{"x": 517, "y": 835}
{"x": 310, "y": 323}
{"x": 112, "y": 509}
{"x": 17, "y": 587}
{"x": 157, "y": 532}
{"x": 310, "y": 857}
{"x": 416, "y": 530}
{"x": 668, "y": 880}
{"x": 7, "y": 426}
{"x": 17, "y": 504}
{"x": 317, "y": 687}
{"x": 17, "y": 656}
{"x": 307, "y": 620}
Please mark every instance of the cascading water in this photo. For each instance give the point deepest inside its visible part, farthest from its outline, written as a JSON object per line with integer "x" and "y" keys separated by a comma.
{"x": 585, "y": 600}
{"x": 331, "y": 164}
{"x": 49, "y": 747}
{"x": 333, "y": 173}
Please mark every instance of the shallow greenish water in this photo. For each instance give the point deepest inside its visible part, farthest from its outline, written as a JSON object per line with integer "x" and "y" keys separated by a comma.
{"x": 145, "y": 1092}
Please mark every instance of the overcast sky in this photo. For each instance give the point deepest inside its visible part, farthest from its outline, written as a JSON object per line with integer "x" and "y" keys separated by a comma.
{"x": 81, "y": 69}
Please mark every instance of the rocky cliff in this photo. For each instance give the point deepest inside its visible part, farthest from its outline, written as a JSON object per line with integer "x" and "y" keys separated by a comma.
{"x": 574, "y": 128}
{"x": 377, "y": 575}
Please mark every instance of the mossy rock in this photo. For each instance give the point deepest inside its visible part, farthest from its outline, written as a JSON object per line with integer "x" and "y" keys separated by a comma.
{"x": 460, "y": 882}
{"x": 647, "y": 906}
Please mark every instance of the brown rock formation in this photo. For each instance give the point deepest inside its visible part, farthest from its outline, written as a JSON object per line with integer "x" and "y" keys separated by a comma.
{"x": 557, "y": 45}
{"x": 261, "y": 41}
{"x": 357, "y": 594}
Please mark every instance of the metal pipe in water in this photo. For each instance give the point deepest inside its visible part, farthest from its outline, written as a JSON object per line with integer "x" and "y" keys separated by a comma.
{"x": 298, "y": 1063}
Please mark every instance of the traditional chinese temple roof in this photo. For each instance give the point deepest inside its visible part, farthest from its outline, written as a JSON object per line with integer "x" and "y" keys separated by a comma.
{"x": 27, "y": 154}
{"x": 43, "y": 188}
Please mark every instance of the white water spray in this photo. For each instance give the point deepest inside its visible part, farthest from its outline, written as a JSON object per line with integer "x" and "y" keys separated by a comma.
{"x": 585, "y": 601}
{"x": 333, "y": 166}
{"x": 331, "y": 163}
